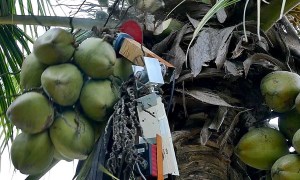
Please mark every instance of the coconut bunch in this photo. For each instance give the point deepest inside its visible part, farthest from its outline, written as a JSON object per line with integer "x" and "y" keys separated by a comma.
{"x": 267, "y": 148}
{"x": 68, "y": 95}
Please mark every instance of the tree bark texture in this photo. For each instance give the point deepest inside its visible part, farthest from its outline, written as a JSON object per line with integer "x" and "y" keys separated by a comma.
{"x": 211, "y": 161}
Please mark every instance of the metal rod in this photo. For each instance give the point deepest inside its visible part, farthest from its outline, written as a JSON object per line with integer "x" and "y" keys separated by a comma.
{"x": 83, "y": 23}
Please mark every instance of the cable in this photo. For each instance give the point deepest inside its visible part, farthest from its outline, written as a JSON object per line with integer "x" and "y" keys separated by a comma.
{"x": 172, "y": 94}
{"x": 112, "y": 11}
{"x": 71, "y": 24}
{"x": 142, "y": 175}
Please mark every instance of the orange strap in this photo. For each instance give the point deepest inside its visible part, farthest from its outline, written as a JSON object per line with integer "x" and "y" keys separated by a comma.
{"x": 160, "y": 175}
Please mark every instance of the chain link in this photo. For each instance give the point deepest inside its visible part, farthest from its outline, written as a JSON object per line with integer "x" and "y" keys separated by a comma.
{"x": 125, "y": 125}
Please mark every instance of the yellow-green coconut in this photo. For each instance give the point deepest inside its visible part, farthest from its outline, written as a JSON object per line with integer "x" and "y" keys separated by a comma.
{"x": 32, "y": 153}
{"x": 31, "y": 112}
{"x": 280, "y": 89}
{"x": 62, "y": 83}
{"x": 96, "y": 58}
{"x": 286, "y": 168}
{"x": 261, "y": 147}
{"x": 97, "y": 98}
{"x": 55, "y": 46}
{"x": 72, "y": 135}
{"x": 31, "y": 71}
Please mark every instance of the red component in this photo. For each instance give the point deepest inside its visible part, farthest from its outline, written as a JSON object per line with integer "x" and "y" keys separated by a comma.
{"x": 132, "y": 28}
{"x": 154, "y": 161}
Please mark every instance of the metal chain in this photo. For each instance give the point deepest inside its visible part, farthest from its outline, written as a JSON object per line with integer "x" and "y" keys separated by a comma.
{"x": 125, "y": 125}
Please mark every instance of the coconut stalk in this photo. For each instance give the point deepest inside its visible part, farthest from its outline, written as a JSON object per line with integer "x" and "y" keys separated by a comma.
{"x": 83, "y": 23}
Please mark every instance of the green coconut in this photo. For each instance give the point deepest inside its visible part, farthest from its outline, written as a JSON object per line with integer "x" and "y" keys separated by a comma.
{"x": 31, "y": 112}
{"x": 59, "y": 156}
{"x": 280, "y": 88}
{"x": 297, "y": 103}
{"x": 296, "y": 141}
{"x": 72, "y": 135}
{"x": 289, "y": 123}
{"x": 32, "y": 153}
{"x": 261, "y": 147}
{"x": 31, "y": 71}
{"x": 62, "y": 83}
{"x": 96, "y": 58}
{"x": 54, "y": 47}
{"x": 286, "y": 168}
{"x": 122, "y": 69}
{"x": 97, "y": 98}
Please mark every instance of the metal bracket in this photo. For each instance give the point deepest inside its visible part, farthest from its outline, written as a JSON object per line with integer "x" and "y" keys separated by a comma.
{"x": 154, "y": 121}
{"x": 147, "y": 101}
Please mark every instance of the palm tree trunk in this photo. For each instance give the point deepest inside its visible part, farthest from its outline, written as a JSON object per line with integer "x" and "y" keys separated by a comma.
{"x": 209, "y": 161}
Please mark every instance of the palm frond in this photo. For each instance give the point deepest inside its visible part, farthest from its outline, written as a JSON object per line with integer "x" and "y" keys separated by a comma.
{"x": 13, "y": 42}
{"x": 14, "y": 46}
{"x": 219, "y": 5}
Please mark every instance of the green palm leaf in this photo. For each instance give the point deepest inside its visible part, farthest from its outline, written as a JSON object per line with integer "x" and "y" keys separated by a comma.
{"x": 13, "y": 43}
{"x": 14, "y": 46}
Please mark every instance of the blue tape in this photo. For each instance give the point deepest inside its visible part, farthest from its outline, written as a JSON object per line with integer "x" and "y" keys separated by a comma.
{"x": 119, "y": 41}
